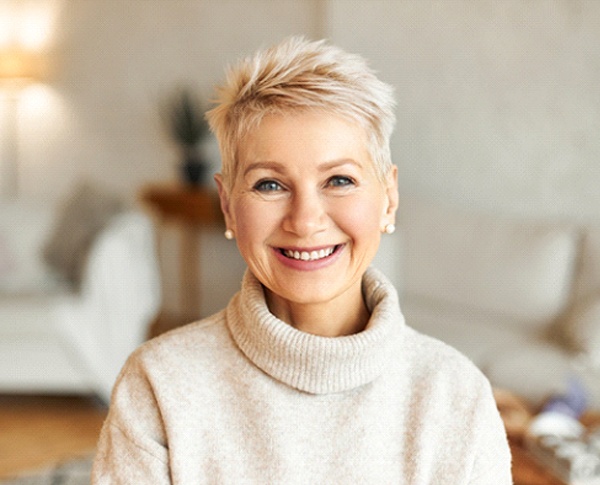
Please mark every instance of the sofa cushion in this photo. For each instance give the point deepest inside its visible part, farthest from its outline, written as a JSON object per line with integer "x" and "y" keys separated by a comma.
{"x": 533, "y": 369}
{"x": 34, "y": 354}
{"x": 521, "y": 270}
{"x": 83, "y": 214}
{"x": 478, "y": 335}
{"x": 30, "y": 314}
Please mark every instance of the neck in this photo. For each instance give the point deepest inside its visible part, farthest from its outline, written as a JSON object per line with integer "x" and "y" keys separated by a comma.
{"x": 326, "y": 319}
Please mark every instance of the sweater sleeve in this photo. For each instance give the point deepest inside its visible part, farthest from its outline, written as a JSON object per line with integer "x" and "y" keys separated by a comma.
{"x": 132, "y": 447}
{"x": 492, "y": 462}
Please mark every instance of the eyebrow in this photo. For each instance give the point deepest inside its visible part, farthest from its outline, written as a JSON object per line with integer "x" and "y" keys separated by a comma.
{"x": 280, "y": 167}
{"x": 277, "y": 167}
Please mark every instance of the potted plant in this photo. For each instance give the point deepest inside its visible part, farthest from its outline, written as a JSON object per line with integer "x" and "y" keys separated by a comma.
{"x": 183, "y": 116}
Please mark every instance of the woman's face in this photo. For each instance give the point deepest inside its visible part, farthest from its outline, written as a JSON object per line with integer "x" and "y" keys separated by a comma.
{"x": 307, "y": 207}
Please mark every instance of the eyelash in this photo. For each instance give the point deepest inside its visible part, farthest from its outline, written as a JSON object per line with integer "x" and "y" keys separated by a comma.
{"x": 347, "y": 181}
{"x": 269, "y": 185}
{"x": 261, "y": 186}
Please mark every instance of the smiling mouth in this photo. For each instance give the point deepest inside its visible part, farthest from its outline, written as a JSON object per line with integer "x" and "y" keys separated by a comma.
{"x": 309, "y": 255}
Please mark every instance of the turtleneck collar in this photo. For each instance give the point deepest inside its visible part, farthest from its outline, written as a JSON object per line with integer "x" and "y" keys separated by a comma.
{"x": 311, "y": 363}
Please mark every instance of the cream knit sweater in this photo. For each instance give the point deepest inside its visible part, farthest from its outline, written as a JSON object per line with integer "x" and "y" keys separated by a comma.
{"x": 243, "y": 398}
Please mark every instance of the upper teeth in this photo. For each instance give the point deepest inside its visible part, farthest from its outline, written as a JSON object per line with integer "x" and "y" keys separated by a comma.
{"x": 308, "y": 256}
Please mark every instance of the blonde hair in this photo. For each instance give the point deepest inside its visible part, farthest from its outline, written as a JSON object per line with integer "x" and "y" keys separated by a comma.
{"x": 297, "y": 75}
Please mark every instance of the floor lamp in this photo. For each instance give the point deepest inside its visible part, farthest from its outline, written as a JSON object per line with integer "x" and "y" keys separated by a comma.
{"x": 17, "y": 69}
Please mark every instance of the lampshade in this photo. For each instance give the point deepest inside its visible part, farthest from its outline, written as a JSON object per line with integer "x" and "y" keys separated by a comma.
{"x": 18, "y": 65}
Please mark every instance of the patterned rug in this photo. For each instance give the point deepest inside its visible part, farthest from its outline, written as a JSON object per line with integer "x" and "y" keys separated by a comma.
{"x": 73, "y": 472}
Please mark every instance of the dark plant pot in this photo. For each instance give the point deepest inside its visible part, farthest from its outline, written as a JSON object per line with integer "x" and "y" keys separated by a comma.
{"x": 194, "y": 173}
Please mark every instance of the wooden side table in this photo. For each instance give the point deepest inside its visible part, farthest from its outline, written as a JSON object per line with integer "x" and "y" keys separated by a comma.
{"x": 526, "y": 470}
{"x": 516, "y": 414}
{"x": 192, "y": 209}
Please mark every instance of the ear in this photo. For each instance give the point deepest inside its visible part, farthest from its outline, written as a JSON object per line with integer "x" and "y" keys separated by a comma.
{"x": 392, "y": 197}
{"x": 224, "y": 197}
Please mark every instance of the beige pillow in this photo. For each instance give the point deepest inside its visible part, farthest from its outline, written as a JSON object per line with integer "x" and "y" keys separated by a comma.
{"x": 83, "y": 214}
{"x": 521, "y": 269}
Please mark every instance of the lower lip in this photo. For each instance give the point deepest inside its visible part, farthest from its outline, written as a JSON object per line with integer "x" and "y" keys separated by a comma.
{"x": 300, "y": 265}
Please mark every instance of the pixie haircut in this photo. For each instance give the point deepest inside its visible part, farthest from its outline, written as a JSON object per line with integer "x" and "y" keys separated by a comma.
{"x": 300, "y": 75}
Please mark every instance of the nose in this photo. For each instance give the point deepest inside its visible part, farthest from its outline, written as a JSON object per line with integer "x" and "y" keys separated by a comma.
{"x": 306, "y": 214}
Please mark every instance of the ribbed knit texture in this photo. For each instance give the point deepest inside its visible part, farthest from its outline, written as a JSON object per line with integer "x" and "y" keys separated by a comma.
{"x": 243, "y": 398}
{"x": 309, "y": 362}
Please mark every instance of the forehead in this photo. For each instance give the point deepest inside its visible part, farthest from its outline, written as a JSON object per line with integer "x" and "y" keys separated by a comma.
{"x": 303, "y": 137}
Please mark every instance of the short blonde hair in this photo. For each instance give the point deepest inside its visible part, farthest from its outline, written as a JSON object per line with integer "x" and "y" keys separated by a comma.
{"x": 297, "y": 75}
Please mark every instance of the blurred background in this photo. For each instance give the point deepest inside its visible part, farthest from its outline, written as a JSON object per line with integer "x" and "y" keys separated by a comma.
{"x": 498, "y": 103}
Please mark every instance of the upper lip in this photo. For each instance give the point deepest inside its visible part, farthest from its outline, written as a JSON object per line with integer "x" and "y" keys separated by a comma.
{"x": 306, "y": 249}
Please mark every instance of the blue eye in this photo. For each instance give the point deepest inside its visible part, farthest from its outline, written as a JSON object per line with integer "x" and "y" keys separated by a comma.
{"x": 340, "y": 181}
{"x": 267, "y": 186}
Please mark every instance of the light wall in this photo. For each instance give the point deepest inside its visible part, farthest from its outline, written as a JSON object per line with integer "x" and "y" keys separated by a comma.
{"x": 498, "y": 100}
{"x": 114, "y": 60}
{"x": 498, "y": 105}
{"x": 96, "y": 117}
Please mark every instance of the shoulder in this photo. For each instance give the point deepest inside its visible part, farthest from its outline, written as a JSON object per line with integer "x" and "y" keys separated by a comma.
{"x": 208, "y": 333}
{"x": 451, "y": 405}
{"x": 444, "y": 382}
{"x": 438, "y": 363}
{"x": 194, "y": 349}
{"x": 192, "y": 362}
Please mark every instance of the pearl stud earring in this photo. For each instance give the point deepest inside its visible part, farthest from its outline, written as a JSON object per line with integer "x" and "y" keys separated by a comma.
{"x": 228, "y": 234}
{"x": 389, "y": 229}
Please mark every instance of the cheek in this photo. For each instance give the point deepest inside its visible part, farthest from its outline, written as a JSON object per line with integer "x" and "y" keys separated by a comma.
{"x": 361, "y": 218}
{"x": 253, "y": 223}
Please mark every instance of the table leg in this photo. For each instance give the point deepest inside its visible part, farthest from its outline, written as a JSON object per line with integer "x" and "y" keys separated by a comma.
{"x": 189, "y": 272}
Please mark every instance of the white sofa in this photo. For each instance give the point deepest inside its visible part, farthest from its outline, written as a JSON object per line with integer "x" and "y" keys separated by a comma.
{"x": 58, "y": 339}
{"x": 520, "y": 297}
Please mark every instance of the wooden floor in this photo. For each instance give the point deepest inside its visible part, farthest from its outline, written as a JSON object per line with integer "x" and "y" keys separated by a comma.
{"x": 36, "y": 431}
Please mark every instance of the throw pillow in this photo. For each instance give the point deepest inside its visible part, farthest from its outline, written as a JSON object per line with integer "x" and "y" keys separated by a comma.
{"x": 83, "y": 214}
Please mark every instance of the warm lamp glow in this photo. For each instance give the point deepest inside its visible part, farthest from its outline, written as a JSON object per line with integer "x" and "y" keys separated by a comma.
{"x": 26, "y": 28}
{"x": 17, "y": 65}
{"x": 28, "y": 23}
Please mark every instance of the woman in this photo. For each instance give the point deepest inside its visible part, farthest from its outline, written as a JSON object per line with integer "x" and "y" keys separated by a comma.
{"x": 310, "y": 374}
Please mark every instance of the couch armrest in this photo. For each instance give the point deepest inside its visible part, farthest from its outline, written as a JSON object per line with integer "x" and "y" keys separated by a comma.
{"x": 119, "y": 296}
